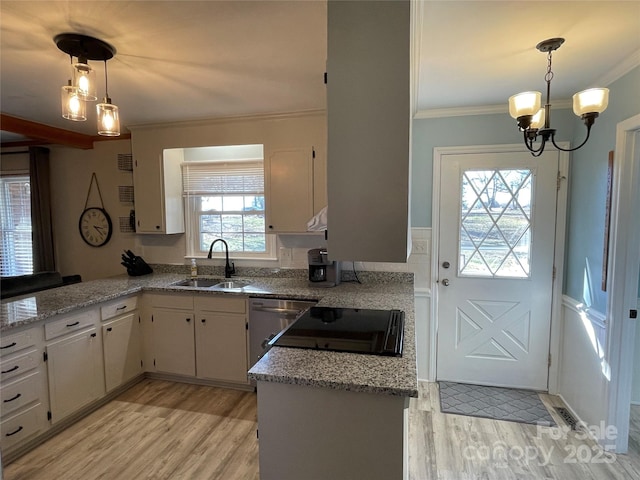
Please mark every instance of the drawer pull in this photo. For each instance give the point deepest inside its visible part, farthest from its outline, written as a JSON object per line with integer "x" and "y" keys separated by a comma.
{"x": 73, "y": 324}
{"x": 121, "y": 308}
{"x": 188, "y": 319}
{"x": 204, "y": 320}
{"x": 11, "y": 369}
{"x": 109, "y": 329}
{"x": 17, "y": 396}
{"x": 93, "y": 335}
{"x": 13, "y": 344}
{"x": 13, "y": 433}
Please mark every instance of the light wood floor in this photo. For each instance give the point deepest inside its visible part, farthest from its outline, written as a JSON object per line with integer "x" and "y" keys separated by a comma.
{"x": 164, "y": 430}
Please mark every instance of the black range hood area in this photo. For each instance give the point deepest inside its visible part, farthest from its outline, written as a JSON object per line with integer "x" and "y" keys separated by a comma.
{"x": 373, "y": 332}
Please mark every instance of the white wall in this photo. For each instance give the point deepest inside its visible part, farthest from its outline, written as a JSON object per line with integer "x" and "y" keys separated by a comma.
{"x": 71, "y": 171}
{"x": 584, "y": 372}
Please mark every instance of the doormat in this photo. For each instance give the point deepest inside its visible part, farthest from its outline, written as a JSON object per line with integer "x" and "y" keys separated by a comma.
{"x": 498, "y": 403}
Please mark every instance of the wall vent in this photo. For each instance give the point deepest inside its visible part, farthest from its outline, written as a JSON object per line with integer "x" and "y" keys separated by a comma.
{"x": 566, "y": 415}
{"x": 125, "y": 162}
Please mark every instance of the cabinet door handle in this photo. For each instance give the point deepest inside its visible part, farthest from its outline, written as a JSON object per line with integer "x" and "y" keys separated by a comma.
{"x": 121, "y": 308}
{"x": 17, "y": 396}
{"x": 93, "y": 335}
{"x": 12, "y": 344}
{"x": 14, "y": 432}
{"x": 204, "y": 320}
{"x": 109, "y": 329}
{"x": 11, "y": 369}
{"x": 73, "y": 324}
{"x": 188, "y": 319}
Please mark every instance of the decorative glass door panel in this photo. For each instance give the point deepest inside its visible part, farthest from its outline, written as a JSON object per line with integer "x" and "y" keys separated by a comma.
{"x": 495, "y": 223}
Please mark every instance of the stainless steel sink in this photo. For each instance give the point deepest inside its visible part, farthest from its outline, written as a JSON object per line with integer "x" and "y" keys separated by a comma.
{"x": 198, "y": 282}
{"x": 230, "y": 285}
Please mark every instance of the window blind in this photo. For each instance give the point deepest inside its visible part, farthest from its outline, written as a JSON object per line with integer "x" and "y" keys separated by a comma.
{"x": 15, "y": 211}
{"x": 207, "y": 178}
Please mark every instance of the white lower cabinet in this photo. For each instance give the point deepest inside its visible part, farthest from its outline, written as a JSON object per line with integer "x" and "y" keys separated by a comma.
{"x": 173, "y": 341}
{"x": 76, "y": 372}
{"x": 203, "y": 336}
{"x": 221, "y": 338}
{"x": 122, "y": 350}
{"x": 23, "y": 388}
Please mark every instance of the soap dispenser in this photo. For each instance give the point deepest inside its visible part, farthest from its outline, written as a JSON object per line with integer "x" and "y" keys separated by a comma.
{"x": 194, "y": 268}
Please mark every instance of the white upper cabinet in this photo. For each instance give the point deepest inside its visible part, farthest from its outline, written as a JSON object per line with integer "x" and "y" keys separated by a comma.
{"x": 368, "y": 109}
{"x": 291, "y": 193}
{"x": 157, "y": 186}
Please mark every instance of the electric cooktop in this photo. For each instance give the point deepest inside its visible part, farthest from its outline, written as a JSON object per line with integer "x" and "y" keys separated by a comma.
{"x": 374, "y": 332}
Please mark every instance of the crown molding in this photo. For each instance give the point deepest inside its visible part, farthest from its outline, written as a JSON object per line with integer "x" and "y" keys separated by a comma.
{"x": 477, "y": 110}
{"x": 624, "y": 67}
{"x": 237, "y": 118}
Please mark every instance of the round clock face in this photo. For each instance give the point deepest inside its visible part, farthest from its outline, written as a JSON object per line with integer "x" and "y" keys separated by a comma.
{"x": 95, "y": 226}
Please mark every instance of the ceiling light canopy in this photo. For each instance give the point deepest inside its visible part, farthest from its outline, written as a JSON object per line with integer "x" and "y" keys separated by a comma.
{"x": 82, "y": 87}
{"x": 535, "y": 121}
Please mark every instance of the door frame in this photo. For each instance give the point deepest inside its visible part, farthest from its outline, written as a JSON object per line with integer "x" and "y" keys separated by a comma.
{"x": 622, "y": 284}
{"x": 558, "y": 260}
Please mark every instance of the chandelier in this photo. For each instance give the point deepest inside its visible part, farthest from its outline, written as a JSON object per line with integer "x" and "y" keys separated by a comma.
{"x": 535, "y": 122}
{"x": 81, "y": 88}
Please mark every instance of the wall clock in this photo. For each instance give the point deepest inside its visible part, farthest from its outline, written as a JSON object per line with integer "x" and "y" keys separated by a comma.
{"x": 95, "y": 223}
{"x": 95, "y": 226}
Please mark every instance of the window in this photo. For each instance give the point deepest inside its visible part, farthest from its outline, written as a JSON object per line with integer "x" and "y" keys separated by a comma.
{"x": 15, "y": 209}
{"x": 224, "y": 198}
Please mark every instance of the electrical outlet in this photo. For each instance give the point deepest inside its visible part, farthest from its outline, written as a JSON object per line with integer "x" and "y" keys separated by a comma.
{"x": 286, "y": 257}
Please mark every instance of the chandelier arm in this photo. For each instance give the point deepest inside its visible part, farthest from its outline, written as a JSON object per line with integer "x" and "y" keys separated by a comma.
{"x": 553, "y": 140}
{"x": 528, "y": 142}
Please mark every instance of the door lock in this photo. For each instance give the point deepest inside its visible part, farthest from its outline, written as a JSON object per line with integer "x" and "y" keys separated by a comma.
{"x": 445, "y": 282}
{"x": 446, "y": 264}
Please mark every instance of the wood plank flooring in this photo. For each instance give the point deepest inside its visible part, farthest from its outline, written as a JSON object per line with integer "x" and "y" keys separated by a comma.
{"x": 164, "y": 430}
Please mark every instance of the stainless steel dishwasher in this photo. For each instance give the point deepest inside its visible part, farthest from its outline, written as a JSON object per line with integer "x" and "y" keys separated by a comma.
{"x": 268, "y": 317}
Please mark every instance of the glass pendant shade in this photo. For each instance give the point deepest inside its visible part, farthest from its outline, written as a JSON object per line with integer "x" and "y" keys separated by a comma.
{"x": 108, "y": 119}
{"x": 538, "y": 119}
{"x": 525, "y": 103}
{"x": 84, "y": 79}
{"x": 593, "y": 100}
{"x": 73, "y": 106}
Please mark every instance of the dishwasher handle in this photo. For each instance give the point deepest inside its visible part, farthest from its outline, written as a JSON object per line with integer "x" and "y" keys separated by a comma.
{"x": 284, "y": 311}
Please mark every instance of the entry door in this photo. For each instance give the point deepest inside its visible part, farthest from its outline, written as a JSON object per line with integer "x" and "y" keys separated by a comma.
{"x": 496, "y": 250}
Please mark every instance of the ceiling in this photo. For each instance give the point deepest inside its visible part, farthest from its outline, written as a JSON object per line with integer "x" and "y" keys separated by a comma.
{"x": 188, "y": 60}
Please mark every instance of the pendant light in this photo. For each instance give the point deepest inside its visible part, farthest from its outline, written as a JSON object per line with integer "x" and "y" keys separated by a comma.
{"x": 535, "y": 121}
{"x": 73, "y": 106}
{"x": 82, "y": 87}
{"x": 108, "y": 119}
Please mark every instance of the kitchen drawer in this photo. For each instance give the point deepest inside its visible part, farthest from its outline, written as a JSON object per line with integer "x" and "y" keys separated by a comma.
{"x": 19, "y": 364}
{"x": 19, "y": 341}
{"x": 20, "y": 393}
{"x": 118, "y": 307}
{"x": 183, "y": 302}
{"x": 219, "y": 303}
{"x": 22, "y": 426}
{"x": 70, "y": 323}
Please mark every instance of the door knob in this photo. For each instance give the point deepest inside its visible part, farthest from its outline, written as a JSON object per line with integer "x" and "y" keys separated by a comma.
{"x": 445, "y": 282}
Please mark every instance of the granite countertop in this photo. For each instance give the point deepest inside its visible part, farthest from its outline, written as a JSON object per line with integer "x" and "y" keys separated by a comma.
{"x": 343, "y": 371}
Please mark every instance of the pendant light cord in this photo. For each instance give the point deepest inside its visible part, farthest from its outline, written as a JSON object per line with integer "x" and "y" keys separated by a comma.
{"x": 106, "y": 81}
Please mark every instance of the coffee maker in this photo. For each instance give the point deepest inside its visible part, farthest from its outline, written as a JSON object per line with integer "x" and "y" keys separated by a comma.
{"x": 322, "y": 272}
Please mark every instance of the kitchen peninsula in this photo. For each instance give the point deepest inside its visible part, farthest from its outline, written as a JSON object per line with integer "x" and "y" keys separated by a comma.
{"x": 359, "y": 400}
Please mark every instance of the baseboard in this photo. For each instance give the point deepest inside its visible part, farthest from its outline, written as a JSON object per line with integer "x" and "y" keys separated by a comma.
{"x": 198, "y": 381}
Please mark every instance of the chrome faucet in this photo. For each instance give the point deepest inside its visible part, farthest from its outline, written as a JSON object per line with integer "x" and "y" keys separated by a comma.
{"x": 229, "y": 269}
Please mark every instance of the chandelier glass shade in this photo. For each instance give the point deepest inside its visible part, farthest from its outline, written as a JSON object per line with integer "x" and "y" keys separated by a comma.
{"x": 83, "y": 86}
{"x": 534, "y": 120}
{"x": 73, "y": 105}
